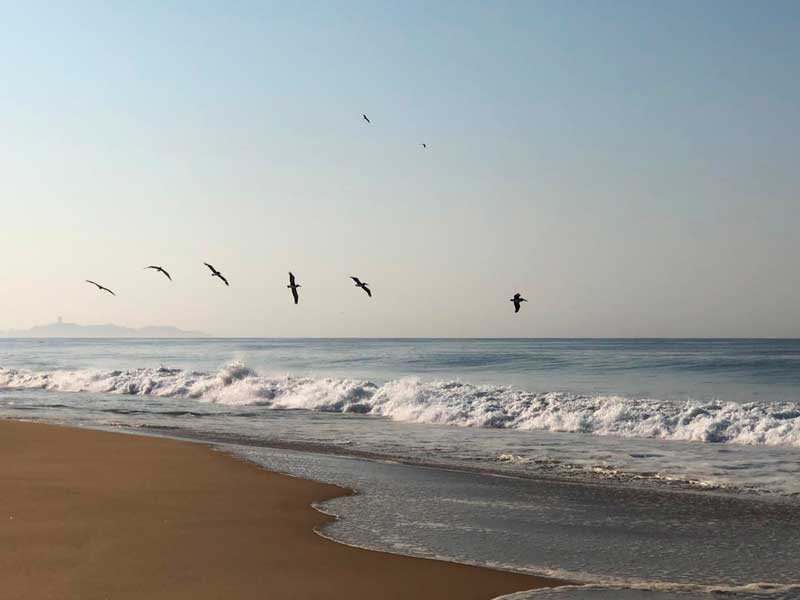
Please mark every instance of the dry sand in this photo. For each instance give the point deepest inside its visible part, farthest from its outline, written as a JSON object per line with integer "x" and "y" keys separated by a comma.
{"x": 94, "y": 515}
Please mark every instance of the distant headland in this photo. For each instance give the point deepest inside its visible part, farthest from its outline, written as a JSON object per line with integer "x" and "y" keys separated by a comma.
{"x": 61, "y": 329}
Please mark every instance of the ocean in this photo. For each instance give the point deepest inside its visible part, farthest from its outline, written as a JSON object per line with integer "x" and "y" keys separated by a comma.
{"x": 634, "y": 468}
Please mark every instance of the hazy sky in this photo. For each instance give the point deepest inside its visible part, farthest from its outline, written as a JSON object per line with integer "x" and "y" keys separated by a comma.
{"x": 630, "y": 167}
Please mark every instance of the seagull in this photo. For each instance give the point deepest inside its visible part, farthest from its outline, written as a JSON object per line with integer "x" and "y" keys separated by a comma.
{"x": 517, "y": 300}
{"x": 100, "y": 287}
{"x": 366, "y": 118}
{"x": 293, "y": 286}
{"x": 363, "y": 286}
{"x": 160, "y": 270}
{"x": 215, "y": 273}
{"x": 424, "y": 145}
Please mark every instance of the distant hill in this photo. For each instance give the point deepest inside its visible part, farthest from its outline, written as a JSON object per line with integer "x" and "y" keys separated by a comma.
{"x": 62, "y": 330}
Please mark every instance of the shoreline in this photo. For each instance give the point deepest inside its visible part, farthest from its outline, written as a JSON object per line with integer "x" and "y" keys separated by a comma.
{"x": 622, "y": 485}
{"x": 95, "y": 514}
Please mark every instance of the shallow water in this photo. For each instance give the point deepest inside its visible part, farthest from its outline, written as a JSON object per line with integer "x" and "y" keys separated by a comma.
{"x": 669, "y": 544}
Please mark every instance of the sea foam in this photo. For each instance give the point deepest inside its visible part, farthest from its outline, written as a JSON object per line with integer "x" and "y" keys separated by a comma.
{"x": 443, "y": 402}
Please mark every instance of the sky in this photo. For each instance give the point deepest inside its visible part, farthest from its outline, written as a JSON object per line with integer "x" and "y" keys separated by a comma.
{"x": 630, "y": 167}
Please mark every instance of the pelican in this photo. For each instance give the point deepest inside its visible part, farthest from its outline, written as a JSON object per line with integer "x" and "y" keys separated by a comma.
{"x": 215, "y": 273}
{"x": 160, "y": 270}
{"x": 517, "y": 300}
{"x": 100, "y": 287}
{"x": 293, "y": 286}
{"x": 366, "y": 118}
{"x": 363, "y": 286}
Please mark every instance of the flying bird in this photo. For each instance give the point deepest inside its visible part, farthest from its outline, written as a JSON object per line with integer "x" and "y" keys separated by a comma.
{"x": 517, "y": 300}
{"x": 363, "y": 286}
{"x": 366, "y": 118}
{"x": 215, "y": 273}
{"x": 293, "y": 286}
{"x": 424, "y": 145}
{"x": 100, "y": 287}
{"x": 160, "y": 270}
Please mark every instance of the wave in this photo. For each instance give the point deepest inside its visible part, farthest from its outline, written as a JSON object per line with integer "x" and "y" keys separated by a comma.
{"x": 443, "y": 402}
{"x": 668, "y": 591}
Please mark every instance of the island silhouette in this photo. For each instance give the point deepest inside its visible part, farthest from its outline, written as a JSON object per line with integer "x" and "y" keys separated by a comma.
{"x": 62, "y": 329}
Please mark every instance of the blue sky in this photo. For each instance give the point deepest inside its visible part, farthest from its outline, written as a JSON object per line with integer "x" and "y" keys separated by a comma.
{"x": 630, "y": 167}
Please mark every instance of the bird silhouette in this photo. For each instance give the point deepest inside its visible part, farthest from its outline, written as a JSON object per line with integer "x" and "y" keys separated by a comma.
{"x": 424, "y": 145}
{"x": 160, "y": 270}
{"x": 215, "y": 273}
{"x": 363, "y": 286}
{"x": 293, "y": 286}
{"x": 517, "y": 300}
{"x": 100, "y": 287}
{"x": 366, "y": 118}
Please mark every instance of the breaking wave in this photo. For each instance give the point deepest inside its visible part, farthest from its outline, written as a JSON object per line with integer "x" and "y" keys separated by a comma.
{"x": 443, "y": 402}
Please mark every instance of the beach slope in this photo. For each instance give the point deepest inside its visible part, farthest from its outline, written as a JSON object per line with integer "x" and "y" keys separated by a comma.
{"x": 94, "y": 515}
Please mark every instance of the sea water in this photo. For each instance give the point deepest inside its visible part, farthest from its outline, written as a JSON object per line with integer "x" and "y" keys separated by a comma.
{"x": 668, "y": 465}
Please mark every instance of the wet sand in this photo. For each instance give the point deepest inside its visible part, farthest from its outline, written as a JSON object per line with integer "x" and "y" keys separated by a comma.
{"x": 95, "y": 515}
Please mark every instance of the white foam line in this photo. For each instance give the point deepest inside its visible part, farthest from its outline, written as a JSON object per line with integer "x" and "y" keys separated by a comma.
{"x": 763, "y": 589}
{"x": 443, "y": 402}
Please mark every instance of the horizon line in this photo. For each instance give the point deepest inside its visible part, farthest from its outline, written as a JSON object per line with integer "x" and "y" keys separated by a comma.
{"x": 386, "y": 338}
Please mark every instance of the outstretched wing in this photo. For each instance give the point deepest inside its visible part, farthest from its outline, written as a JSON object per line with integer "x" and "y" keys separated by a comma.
{"x": 366, "y": 118}
{"x": 291, "y": 278}
{"x": 100, "y": 287}
{"x": 516, "y": 306}
{"x": 225, "y": 281}
{"x": 213, "y": 270}
{"x": 356, "y": 279}
{"x": 369, "y": 293}
{"x": 160, "y": 270}
{"x": 295, "y": 295}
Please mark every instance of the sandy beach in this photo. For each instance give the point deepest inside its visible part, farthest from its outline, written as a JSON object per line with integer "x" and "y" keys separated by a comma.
{"x": 89, "y": 514}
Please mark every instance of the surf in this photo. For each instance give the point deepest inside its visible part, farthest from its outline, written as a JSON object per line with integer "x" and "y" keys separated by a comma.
{"x": 442, "y": 402}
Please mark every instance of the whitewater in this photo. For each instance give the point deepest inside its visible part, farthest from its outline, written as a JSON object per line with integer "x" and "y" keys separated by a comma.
{"x": 411, "y": 399}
